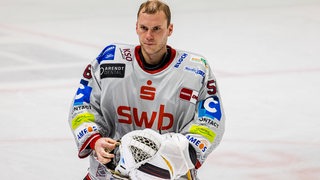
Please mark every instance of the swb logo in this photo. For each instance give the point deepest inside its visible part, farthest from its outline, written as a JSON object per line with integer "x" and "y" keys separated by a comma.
{"x": 129, "y": 115}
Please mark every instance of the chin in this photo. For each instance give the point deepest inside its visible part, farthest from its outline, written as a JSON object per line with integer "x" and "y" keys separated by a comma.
{"x": 149, "y": 49}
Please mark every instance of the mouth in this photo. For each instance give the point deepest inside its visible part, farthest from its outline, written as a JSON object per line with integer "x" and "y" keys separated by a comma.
{"x": 149, "y": 43}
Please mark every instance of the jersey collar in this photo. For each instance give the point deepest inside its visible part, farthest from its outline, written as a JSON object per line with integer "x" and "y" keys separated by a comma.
{"x": 139, "y": 60}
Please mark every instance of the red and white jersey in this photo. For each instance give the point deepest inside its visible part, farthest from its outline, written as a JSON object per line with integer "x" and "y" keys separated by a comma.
{"x": 118, "y": 95}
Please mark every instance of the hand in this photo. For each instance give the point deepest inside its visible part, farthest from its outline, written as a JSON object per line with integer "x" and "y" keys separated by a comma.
{"x": 103, "y": 147}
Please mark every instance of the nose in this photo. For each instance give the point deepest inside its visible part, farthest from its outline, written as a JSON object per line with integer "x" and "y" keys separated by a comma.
{"x": 149, "y": 35}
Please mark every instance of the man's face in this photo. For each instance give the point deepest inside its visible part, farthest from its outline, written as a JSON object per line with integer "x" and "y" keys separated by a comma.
{"x": 153, "y": 33}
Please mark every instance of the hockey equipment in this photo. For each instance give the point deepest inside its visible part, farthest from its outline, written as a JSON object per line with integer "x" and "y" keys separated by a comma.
{"x": 171, "y": 161}
{"x": 145, "y": 154}
{"x": 137, "y": 148}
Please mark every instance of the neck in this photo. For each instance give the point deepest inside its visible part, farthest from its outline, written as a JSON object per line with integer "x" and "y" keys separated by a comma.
{"x": 154, "y": 59}
{"x": 163, "y": 60}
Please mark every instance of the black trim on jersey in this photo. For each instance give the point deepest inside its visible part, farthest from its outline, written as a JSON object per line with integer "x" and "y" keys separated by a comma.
{"x": 165, "y": 59}
{"x": 152, "y": 69}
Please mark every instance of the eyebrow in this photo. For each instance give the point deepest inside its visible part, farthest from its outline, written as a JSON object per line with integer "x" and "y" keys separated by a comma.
{"x": 157, "y": 26}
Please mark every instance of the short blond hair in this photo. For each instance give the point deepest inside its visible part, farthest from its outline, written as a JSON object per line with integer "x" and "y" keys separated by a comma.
{"x": 154, "y": 6}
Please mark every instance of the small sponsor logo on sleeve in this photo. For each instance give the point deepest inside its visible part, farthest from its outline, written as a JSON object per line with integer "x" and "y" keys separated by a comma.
{"x": 210, "y": 108}
{"x": 203, "y": 131}
{"x": 82, "y": 131}
{"x": 201, "y": 144}
{"x": 208, "y": 122}
{"x": 83, "y": 93}
{"x": 200, "y": 60}
{"x": 80, "y": 119}
{"x": 107, "y": 54}
{"x": 195, "y": 70}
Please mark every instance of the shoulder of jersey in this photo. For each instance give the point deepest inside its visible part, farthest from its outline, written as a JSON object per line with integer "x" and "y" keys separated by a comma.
{"x": 190, "y": 58}
{"x": 116, "y": 52}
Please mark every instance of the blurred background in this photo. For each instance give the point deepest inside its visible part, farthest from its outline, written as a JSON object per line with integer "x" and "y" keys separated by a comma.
{"x": 265, "y": 56}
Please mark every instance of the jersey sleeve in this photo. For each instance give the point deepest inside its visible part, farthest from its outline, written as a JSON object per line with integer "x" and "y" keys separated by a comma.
{"x": 84, "y": 111}
{"x": 86, "y": 118}
{"x": 206, "y": 129}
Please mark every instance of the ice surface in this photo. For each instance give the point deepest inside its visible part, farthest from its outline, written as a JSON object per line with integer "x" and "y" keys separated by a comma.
{"x": 265, "y": 55}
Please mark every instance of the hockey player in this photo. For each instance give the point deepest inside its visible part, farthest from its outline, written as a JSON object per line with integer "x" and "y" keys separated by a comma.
{"x": 147, "y": 111}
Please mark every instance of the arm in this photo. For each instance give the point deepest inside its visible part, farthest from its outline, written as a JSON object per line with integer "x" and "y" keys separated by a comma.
{"x": 206, "y": 129}
{"x": 85, "y": 115}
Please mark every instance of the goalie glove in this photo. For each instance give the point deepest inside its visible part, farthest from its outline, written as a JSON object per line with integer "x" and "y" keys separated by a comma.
{"x": 137, "y": 148}
{"x": 145, "y": 154}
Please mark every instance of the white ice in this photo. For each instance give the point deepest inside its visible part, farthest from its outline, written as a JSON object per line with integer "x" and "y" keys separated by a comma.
{"x": 265, "y": 55}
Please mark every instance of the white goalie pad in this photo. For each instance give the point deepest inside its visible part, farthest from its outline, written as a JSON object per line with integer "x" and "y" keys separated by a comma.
{"x": 175, "y": 151}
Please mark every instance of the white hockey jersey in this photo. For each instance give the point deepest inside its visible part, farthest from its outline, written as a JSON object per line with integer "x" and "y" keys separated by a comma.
{"x": 118, "y": 95}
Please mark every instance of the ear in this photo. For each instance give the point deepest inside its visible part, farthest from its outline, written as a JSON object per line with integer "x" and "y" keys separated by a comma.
{"x": 170, "y": 28}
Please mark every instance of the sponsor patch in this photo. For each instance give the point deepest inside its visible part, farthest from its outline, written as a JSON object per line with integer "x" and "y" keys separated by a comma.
{"x": 83, "y": 93}
{"x": 116, "y": 70}
{"x": 189, "y": 95}
{"x": 202, "y": 145}
{"x": 180, "y": 60}
{"x": 203, "y": 131}
{"x": 80, "y": 119}
{"x": 210, "y": 108}
{"x": 200, "y": 60}
{"x": 195, "y": 70}
{"x": 81, "y": 108}
{"x": 107, "y": 54}
{"x": 148, "y": 92}
{"x": 81, "y": 132}
{"x": 208, "y": 121}
{"x": 126, "y": 54}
